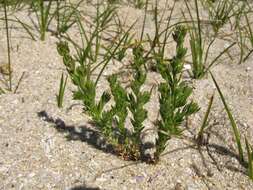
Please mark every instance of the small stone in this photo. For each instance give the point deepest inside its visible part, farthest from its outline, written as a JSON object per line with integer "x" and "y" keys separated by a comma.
{"x": 187, "y": 67}
{"x": 31, "y": 175}
{"x": 178, "y": 186}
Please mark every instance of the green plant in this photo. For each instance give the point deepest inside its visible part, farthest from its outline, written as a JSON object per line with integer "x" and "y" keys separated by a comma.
{"x": 86, "y": 88}
{"x": 90, "y": 56}
{"x": 90, "y": 49}
{"x": 250, "y": 159}
{"x": 130, "y": 144}
{"x": 45, "y": 11}
{"x": 219, "y": 13}
{"x": 205, "y": 121}
{"x": 6, "y": 69}
{"x": 118, "y": 114}
{"x": 1, "y": 91}
{"x": 249, "y": 29}
{"x": 200, "y": 48}
{"x": 174, "y": 94}
{"x": 196, "y": 44}
{"x": 158, "y": 43}
{"x": 127, "y": 43}
{"x": 60, "y": 95}
{"x": 65, "y": 14}
{"x": 113, "y": 1}
{"x": 110, "y": 122}
{"x": 249, "y": 36}
{"x": 139, "y": 4}
{"x": 137, "y": 98}
{"x": 241, "y": 41}
{"x": 44, "y": 16}
{"x": 232, "y": 121}
{"x": 15, "y": 4}
{"x": 241, "y": 32}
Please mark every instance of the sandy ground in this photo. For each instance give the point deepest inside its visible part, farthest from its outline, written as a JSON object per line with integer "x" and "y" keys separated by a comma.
{"x": 43, "y": 147}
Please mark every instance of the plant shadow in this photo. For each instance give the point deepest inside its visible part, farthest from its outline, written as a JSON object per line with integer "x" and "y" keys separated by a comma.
{"x": 224, "y": 151}
{"x": 213, "y": 149}
{"x": 79, "y": 133}
{"x": 84, "y": 187}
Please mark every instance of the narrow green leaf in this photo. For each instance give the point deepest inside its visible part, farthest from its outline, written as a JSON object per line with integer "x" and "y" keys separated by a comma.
{"x": 250, "y": 159}
{"x": 232, "y": 121}
{"x": 204, "y": 123}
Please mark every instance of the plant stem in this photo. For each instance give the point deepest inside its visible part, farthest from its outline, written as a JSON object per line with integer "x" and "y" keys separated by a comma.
{"x": 42, "y": 20}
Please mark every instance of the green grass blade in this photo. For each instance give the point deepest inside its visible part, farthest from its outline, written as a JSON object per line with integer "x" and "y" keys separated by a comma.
{"x": 250, "y": 30}
{"x": 199, "y": 27}
{"x": 26, "y": 27}
{"x": 232, "y": 121}
{"x": 60, "y": 96}
{"x": 250, "y": 159}
{"x": 1, "y": 91}
{"x": 112, "y": 54}
{"x": 216, "y": 58}
{"x": 204, "y": 123}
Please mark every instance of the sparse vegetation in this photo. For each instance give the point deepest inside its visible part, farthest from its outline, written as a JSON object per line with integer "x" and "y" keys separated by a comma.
{"x": 104, "y": 46}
